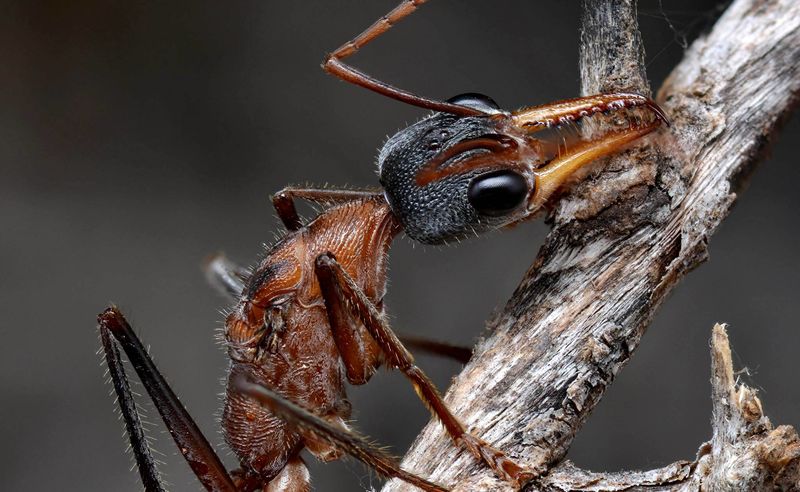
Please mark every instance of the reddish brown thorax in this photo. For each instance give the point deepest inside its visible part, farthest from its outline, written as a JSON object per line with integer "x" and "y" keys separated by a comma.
{"x": 280, "y": 334}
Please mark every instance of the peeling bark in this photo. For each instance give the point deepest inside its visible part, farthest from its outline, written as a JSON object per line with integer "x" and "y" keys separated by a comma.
{"x": 621, "y": 240}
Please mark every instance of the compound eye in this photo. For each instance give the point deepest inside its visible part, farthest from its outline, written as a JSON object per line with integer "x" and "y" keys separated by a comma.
{"x": 497, "y": 193}
{"x": 476, "y": 101}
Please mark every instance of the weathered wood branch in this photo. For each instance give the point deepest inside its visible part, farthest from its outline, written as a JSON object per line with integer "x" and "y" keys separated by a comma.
{"x": 745, "y": 452}
{"x": 622, "y": 239}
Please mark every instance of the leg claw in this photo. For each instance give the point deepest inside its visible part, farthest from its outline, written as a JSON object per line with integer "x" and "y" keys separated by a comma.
{"x": 501, "y": 464}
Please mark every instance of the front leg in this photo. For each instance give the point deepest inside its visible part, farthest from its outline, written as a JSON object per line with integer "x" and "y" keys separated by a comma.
{"x": 283, "y": 201}
{"x": 335, "y": 282}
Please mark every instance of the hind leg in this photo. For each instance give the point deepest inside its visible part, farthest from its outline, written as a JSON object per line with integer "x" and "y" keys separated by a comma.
{"x": 190, "y": 440}
{"x": 310, "y": 424}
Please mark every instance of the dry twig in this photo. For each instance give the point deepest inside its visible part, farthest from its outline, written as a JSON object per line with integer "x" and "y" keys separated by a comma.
{"x": 620, "y": 242}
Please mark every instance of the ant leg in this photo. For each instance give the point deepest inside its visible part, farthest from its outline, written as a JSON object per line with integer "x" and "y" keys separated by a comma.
{"x": 348, "y": 441}
{"x": 435, "y": 347}
{"x": 225, "y": 276}
{"x": 190, "y": 441}
{"x": 335, "y": 66}
{"x": 144, "y": 458}
{"x": 337, "y": 285}
{"x": 283, "y": 201}
{"x": 228, "y": 278}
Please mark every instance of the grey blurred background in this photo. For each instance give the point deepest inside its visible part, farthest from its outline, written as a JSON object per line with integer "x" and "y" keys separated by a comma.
{"x": 138, "y": 137}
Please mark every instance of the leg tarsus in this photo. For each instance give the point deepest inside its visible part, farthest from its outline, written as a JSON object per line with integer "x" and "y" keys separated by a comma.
{"x": 504, "y": 466}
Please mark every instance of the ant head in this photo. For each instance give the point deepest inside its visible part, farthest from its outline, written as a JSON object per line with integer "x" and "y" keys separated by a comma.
{"x": 452, "y": 175}
{"x": 437, "y": 210}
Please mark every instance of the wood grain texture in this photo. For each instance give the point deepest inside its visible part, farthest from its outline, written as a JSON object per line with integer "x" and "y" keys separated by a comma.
{"x": 621, "y": 240}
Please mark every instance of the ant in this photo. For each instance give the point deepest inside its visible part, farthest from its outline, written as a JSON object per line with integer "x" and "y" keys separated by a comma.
{"x": 310, "y": 316}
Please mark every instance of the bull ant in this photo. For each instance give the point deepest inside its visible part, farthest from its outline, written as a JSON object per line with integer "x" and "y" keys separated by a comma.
{"x": 310, "y": 317}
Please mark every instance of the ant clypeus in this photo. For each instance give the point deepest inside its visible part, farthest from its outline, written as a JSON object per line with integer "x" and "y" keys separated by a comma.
{"x": 310, "y": 316}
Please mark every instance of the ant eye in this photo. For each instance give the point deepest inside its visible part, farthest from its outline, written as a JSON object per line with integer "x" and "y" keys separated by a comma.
{"x": 476, "y": 101}
{"x": 497, "y": 193}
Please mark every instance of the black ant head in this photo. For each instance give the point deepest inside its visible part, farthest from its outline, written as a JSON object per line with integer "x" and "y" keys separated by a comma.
{"x": 438, "y": 210}
{"x": 449, "y": 176}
